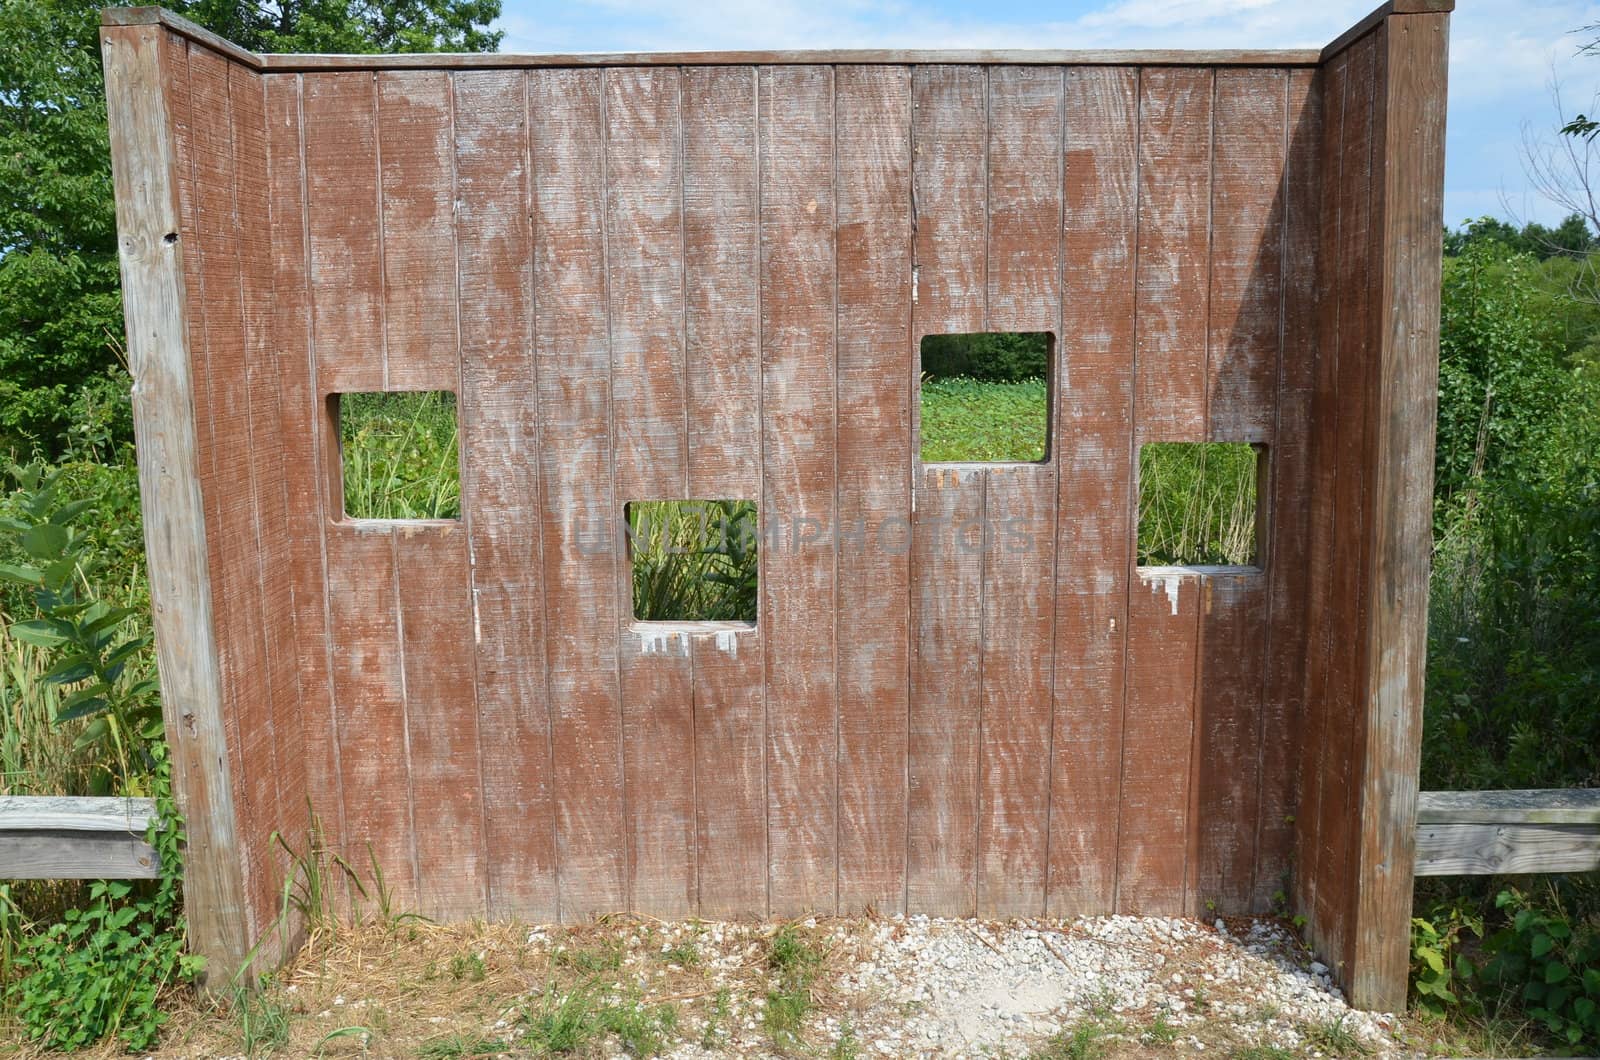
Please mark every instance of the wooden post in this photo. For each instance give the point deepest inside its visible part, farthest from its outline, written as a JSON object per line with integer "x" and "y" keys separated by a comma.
{"x": 155, "y": 304}
{"x": 1408, "y": 192}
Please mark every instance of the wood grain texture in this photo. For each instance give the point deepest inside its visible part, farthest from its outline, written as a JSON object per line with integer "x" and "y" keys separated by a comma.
{"x": 1094, "y": 387}
{"x": 950, "y": 138}
{"x": 873, "y": 481}
{"x": 1164, "y": 607}
{"x": 499, "y": 430}
{"x": 1404, "y": 378}
{"x": 1245, "y": 311}
{"x": 436, "y": 623}
{"x": 722, "y": 335}
{"x": 1175, "y": 170}
{"x": 799, "y": 289}
{"x": 1022, "y": 293}
{"x": 76, "y": 855}
{"x": 645, "y": 237}
{"x": 416, "y": 230}
{"x": 1289, "y": 474}
{"x": 580, "y": 548}
{"x": 1230, "y": 663}
{"x": 1497, "y": 849}
{"x": 1521, "y": 806}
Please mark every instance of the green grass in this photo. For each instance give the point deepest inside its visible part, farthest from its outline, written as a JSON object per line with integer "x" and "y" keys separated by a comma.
{"x": 1197, "y": 504}
{"x": 693, "y": 561}
{"x": 968, "y": 420}
{"x": 794, "y": 962}
{"x": 400, "y": 455}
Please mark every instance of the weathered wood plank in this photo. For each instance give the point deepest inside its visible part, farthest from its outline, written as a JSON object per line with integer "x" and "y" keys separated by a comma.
{"x": 416, "y": 237}
{"x": 721, "y": 310}
{"x": 500, "y": 485}
{"x": 1460, "y": 848}
{"x": 950, "y": 135}
{"x": 1404, "y": 373}
{"x": 645, "y": 235}
{"x": 1022, "y": 293}
{"x": 580, "y": 547}
{"x": 799, "y": 289}
{"x": 68, "y": 813}
{"x": 76, "y": 855}
{"x": 1523, "y": 806}
{"x": 1094, "y": 394}
{"x": 1158, "y": 742}
{"x": 1245, "y": 300}
{"x": 876, "y": 375}
{"x": 1284, "y": 546}
{"x": 1175, "y": 112}
{"x": 436, "y": 624}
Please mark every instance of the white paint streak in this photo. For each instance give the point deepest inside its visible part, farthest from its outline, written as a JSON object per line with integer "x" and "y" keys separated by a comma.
{"x": 728, "y": 643}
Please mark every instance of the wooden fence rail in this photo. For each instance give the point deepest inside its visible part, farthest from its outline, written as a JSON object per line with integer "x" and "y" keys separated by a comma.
{"x": 76, "y": 839}
{"x": 1459, "y": 833}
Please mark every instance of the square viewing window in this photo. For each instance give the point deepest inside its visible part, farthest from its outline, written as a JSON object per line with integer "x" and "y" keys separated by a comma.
{"x": 399, "y": 454}
{"x": 693, "y": 560}
{"x": 985, "y": 397}
{"x": 1197, "y": 504}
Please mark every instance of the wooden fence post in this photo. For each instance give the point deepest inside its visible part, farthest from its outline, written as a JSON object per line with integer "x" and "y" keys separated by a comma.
{"x": 1409, "y": 119}
{"x": 155, "y": 304}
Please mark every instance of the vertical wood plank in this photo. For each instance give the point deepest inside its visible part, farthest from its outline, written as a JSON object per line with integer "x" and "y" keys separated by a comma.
{"x": 1094, "y": 373}
{"x": 644, "y": 224}
{"x": 1284, "y": 721}
{"x": 1413, "y": 79}
{"x": 1163, "y": 628}
{"x": 1175, "y": 105}
{"x": 874, "y": 173}
{"x": 436, "y": 623}
{"x": 1230, "y": 662}
{"x": 222, "y": 413}
{"x": 799, "y": 395}
{"x": 721, "y": 283}
{"x": 1023, "y": 293}
{"x": 144, "y": 98}
{"x": 416, "y": 230}
{"x": 1246, "y": 306}
{"x": 341, "y": 160}
{"x": 950, "y": 135}
{"x": 369, "y": 706}
{"x": 575, "y": 463}
{"x": 499, "y": 428}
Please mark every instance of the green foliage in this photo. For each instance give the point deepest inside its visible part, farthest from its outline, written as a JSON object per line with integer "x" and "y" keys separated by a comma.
{"x": 693, "y": 560}
{"x": 1439, "y": 967}
{"x": 570, "y": 1021}
{"x": 968, "y": 419}
{"x": 99, "y": 972}
{"x": 1552, "y": 963}
{"x": 400, "y": 455}
{"x": 60, "y": 311}
{"x": 1570, "y": 237}
{"x": 1197, "y": 503}
{"x": 794, "y": 962}
{"x": 990, "y": 356}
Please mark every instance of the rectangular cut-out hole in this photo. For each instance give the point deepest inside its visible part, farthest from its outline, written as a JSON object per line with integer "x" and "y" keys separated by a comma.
{"x": 693, "y": 560}
{"x": 1197, "y": 504}
{"x": 985, "y": 397}
{"x": 399, "y": 454}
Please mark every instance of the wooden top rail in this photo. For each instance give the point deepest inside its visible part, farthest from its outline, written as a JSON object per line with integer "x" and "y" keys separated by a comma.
{"x": 144, "y": 16}
{"x": 49, "y": 838}
{"x": 1484, "y": 833}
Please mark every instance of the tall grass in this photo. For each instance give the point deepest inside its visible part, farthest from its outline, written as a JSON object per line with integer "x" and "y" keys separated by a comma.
{"x": 400, "y": 455}
{"x": 693, "y": 560}
{"x": 965, "y": 419}
{"x": 1197, "y": 504}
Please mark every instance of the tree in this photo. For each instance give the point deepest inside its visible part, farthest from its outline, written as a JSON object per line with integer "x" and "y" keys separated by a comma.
{"x": 60, "y": 310}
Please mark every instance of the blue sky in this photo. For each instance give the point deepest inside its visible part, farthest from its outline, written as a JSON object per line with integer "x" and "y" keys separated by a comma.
{"x": 1504, "y": 55}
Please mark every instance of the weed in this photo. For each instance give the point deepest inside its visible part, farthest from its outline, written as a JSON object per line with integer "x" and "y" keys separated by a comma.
{"x": 605, "y": 956}
{"x": 845, "y": 1047}
{"x": 1082, "y": 1041}
{"x": 1334, "y": 1038}
{"x": 566, "y": 1022}
{"x": 684, "y": 954}
{"x": 454, "y": 1046}
{"x": 1161, "y": 1030}
{"x": 263, "y": 1021}
{"x": 468, "y": 967}
{"x": 1261, "y": 1052}
{"x": 717, "y": 1016}
{"x": 795, "y": 963}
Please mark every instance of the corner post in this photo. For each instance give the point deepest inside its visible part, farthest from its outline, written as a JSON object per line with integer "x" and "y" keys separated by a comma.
{"x": 155, "y": 303}
{"x": 1403, "y": 397}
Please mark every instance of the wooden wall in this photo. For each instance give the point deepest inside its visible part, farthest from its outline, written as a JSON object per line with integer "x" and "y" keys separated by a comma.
{"x": 710, "y": 280}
